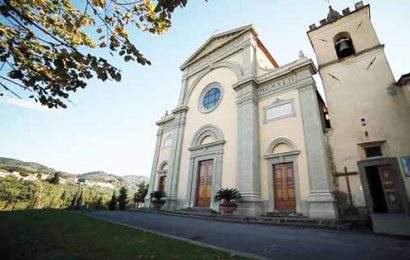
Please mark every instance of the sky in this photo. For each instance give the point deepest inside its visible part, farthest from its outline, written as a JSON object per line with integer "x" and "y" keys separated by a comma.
{"x": 112, "y": 127}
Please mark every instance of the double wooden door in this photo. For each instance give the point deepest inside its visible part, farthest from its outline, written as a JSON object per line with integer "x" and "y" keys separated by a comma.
{"x": 204, "y": 187}
{"x": 284, "y": 184}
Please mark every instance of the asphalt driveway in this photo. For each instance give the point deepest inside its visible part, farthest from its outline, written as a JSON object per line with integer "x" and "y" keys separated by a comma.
{"x": 275, "y": 242}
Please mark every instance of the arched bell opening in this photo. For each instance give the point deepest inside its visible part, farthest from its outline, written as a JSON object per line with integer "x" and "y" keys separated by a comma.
{"x": 343, "y": 45}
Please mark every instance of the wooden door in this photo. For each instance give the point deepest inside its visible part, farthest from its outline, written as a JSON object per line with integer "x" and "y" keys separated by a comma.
{"x": 204, "y": 187}
{"x": 284, "y": 186}
{"x": 390, "y": 189}
{"x": 162, "y": 182}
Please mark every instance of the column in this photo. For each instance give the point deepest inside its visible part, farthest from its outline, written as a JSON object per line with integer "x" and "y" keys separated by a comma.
{"x": 248, "y": 179}
{"x": 321, "y": 200}
{"x": 175, "y": 160}
{"x": 154, "y": 167}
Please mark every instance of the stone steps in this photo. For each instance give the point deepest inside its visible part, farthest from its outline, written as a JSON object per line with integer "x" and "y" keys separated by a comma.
{"x": 297, "y": 221}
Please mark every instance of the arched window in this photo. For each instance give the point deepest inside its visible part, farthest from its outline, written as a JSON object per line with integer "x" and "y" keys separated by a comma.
{"x": 343, "y": 45}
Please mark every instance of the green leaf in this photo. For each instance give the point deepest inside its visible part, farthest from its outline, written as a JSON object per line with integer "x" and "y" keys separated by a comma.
{"x": 128, "y": 57}
{"x": 117, "y": 77}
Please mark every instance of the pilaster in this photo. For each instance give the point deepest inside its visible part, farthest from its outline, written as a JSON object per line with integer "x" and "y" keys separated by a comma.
{"x": 175, "y": 160}
{"x": 248, "y": 179}
{"x": 321, "y": 200}
{"x": 154, "y": 166}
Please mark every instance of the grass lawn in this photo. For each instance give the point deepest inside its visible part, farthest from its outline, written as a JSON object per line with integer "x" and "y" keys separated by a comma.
{"x": 58, "y": 234}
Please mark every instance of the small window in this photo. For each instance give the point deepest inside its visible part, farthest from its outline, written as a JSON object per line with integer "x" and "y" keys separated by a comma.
{"x": 373, "y": 151}
{"x": 344, "y": 45}
{"x": 210, "y": 98}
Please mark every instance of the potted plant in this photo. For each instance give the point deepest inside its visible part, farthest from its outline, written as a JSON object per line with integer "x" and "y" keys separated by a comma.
{"x": 156, "y": 199}
{"x": 228, "y": 198}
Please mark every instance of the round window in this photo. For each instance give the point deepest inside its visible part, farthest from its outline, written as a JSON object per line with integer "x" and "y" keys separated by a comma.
{"x": 211, "y": 98}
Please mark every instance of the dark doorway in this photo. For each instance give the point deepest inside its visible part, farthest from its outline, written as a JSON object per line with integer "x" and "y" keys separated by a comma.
{"x": 376, "y": 190}
{"x": 383, "y": 188}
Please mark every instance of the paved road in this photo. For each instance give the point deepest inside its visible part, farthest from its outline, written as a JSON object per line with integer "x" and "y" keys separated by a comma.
{"x": 275, "y": 242}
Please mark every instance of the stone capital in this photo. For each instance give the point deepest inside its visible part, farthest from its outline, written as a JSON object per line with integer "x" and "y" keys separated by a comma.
{"x": 247, "y": 82}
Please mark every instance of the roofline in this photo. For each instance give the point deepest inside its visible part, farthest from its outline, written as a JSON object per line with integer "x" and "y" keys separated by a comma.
{"x": 404, "y": 79}
{"x": 266, "y": 52}
{"x": 341, "y": 17}
{"x": 246, "y": 27}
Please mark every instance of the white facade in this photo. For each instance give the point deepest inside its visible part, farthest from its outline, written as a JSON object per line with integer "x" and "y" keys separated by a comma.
{"x": 244, "y": 122}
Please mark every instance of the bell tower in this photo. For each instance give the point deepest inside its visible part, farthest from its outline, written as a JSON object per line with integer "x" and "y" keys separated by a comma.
{"x": 369, "y": 116}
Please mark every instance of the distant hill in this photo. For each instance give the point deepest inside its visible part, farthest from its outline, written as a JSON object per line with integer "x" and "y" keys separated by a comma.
{"x": 135, "y": 179}
{"x": 101, "y": 176}
{"x": 28, "y": 167}
{"x": 95, "y": 176}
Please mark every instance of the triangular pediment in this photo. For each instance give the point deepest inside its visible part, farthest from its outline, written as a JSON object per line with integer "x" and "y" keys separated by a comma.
{"x": 216, "y": 41}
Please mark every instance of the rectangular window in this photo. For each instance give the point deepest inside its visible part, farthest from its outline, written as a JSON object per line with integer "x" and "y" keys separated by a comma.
{"x": 373, "y": 151}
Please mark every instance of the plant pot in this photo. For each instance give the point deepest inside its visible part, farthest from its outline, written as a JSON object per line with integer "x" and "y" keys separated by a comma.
{"x": 227, "y": 207}
{"x": 227, "y": 210}
{"x": 157, "y": 204}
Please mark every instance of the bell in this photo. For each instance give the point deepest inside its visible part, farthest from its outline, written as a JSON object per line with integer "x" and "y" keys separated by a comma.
{"x": 344, "y": 48}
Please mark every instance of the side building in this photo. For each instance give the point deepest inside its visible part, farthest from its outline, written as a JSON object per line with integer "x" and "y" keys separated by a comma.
{"x": 369, "y": 137}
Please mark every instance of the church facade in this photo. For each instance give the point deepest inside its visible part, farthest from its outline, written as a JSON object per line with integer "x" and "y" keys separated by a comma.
{"x": 242, "y": 121}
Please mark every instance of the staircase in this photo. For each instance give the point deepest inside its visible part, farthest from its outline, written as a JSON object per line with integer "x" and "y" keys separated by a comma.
{"x": 272, "y": 218}
{"x": 285, "y": 214}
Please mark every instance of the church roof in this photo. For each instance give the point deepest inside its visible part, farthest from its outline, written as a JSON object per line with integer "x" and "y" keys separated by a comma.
{"x": 404, "y": 79}
{"x": 216, "y": 41}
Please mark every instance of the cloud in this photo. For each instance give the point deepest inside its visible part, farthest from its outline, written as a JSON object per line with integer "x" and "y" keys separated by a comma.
{"x": 25, "y": 103}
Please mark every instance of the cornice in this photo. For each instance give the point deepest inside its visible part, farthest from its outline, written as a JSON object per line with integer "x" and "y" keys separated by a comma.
{"x": 358, "y": 54}
{"x": 165, "y": 119}
{"x": 250, "y": 80}
{"x": 290, "y": 68}
{"x": 180, "y": 109}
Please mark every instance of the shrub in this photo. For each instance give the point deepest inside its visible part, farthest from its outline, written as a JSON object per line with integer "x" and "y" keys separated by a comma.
{"x": 228, "y": 197}
{"x": 123, "y": 198}
{"x": 113, "y": 203}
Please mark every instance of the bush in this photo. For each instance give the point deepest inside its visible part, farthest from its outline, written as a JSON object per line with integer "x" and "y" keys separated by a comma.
{"x": 228, "y": 197}
{"x": 99, "y": 205}
{"x": 113, "y": 203}
{"x": 123, "y": 198}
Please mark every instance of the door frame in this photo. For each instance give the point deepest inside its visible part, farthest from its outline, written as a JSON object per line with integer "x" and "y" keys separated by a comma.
{"x": 197, "y": 184}
{"x": 212, "y": 151}
{"x": 280, "y": 158}
{"x": 274, "y": 184}
{"x": 398, "y": 178}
